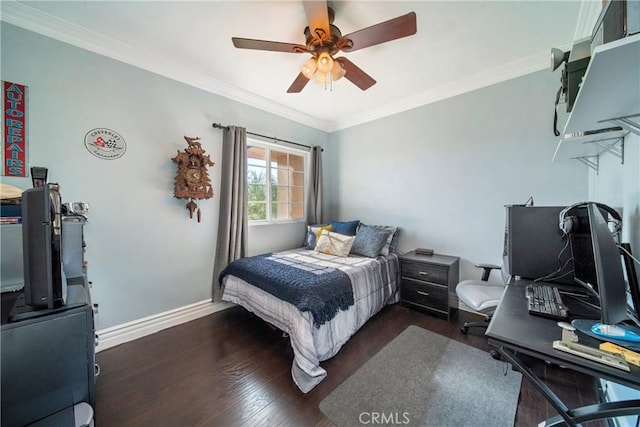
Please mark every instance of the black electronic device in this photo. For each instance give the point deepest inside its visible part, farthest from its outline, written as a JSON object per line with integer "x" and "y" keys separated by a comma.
{"x": 42, "y": 247}
{"x": 574, "y": 72}
{"x": 618, "y": 19}
{"x": 39, "y": 176}
{"x": 574, "y": 223}
{"x": 534, "y": 247}
{"x": 611, "y": 285}
{"x": 545, "y": 300}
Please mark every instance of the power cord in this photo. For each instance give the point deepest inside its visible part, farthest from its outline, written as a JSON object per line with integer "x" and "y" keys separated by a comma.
{"x": 551, "y": 275}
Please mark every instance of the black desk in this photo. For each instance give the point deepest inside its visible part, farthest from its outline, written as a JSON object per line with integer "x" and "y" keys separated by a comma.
{"x": 513, "y": 330}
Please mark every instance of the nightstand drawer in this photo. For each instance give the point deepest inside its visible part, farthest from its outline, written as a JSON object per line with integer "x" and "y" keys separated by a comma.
{"x": 425, "y": 272}
{"x": 425, "y": 294}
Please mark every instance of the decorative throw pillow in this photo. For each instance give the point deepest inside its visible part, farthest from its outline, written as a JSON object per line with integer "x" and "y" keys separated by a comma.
{"x": 348, "y": 228}
{"x": 392, "y": 241}
{"x": 370, "y": 241}
{"x": 334, "y": 244}
{"x": 313, "y": 232}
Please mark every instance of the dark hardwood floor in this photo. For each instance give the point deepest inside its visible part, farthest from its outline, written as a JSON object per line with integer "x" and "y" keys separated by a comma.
{"x": 230, "y": 368}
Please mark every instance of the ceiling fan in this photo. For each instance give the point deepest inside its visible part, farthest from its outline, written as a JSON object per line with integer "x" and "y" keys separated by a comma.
{"x": 324, "y": 40}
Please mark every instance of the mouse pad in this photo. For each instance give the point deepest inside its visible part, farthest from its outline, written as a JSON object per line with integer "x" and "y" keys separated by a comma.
{"x": 584, "y": 327}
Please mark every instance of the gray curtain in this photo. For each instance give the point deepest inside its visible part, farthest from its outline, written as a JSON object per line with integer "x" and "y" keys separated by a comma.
{"x": 233, "y": 223}
{"x": 314, "y": 201}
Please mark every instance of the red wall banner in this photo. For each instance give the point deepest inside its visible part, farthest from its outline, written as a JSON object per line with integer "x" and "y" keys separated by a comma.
{"x": 14, "y": 129}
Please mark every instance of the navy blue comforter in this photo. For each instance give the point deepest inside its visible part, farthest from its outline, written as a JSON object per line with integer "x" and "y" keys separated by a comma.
{"x": 321, "y": 290}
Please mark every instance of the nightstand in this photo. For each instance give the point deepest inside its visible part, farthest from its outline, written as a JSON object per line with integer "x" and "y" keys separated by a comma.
{"x": 429, "y": 283}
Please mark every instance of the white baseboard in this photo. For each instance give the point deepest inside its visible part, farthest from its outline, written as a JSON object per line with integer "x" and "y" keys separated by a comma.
{"x": 120, "y": 334}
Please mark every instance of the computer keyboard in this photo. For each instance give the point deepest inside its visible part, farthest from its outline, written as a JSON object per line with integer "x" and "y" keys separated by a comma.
{"x": 545, "y": 300}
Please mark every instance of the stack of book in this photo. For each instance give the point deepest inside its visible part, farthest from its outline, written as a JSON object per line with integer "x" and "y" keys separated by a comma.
{"x": 10, "y": 204}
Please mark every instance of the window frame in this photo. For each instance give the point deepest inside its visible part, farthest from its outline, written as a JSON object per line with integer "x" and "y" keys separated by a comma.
{"x": 269, "y": 146}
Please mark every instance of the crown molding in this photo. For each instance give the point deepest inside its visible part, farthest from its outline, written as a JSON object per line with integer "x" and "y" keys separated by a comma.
{"x": 32, "y": 19}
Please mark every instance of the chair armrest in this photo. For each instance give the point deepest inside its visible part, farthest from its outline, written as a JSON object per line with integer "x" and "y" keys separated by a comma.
{"x": 487, "y": 270}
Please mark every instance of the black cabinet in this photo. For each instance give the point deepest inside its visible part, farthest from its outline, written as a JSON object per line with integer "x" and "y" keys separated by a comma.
{"x": 47, "y": 366}
{"x": 48, "y": 362}
{"x": 429, "y": 283}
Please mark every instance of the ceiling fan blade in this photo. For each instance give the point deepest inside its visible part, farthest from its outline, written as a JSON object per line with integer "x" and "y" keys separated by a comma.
{"x": 298, "y": 84}
{"x": 355, "y": 74}
{"x": 317, "y": 15}
{"x": 268, "y": 45}
{"x": 393, "y": 29}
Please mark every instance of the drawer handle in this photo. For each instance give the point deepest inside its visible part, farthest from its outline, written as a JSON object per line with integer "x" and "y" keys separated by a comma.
{"x": 426, "y": 294}
{"x": 423, "y": 273}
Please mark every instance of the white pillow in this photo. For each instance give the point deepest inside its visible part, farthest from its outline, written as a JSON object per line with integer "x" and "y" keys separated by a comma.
{"x": 334, "y": 244}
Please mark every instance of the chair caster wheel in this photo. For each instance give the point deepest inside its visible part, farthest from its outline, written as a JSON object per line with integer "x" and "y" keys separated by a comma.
{"x": 495, "y": 354}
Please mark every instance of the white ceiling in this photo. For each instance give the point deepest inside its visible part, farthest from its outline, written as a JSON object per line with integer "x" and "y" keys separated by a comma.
{"x": 459, "y": 46}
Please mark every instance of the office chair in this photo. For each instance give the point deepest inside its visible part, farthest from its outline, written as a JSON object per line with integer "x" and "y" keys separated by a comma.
{"x": 481, "y": 295}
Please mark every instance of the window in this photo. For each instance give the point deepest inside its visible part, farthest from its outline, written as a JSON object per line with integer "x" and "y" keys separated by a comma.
{"x": 275, "y": 179}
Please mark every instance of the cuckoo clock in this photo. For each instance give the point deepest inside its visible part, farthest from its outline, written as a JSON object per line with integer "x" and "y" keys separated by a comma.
{"x": 192, "y": 179}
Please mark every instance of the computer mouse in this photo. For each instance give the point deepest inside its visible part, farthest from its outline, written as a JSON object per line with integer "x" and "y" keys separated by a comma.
{"x": 615, "y": 332}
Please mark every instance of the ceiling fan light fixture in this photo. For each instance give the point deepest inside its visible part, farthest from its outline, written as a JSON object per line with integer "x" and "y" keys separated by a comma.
{"x": 337, "y": 72}
{"x": 309, "y": 68}
{"x": 322, "y": 77}
{"x": 325, "y": 62}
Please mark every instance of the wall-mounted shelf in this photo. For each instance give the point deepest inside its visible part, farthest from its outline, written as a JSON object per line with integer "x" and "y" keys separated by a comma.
{"x": 609, "y": 97}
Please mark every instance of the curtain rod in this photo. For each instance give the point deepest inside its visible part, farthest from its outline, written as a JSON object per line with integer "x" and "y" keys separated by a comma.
{"x": 219, "y": 126}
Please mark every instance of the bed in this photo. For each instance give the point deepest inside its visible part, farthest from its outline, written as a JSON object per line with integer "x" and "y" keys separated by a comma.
{"x": 327, "y": 299}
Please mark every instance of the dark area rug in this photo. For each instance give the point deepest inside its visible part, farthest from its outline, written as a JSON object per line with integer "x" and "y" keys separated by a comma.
{"x": 424, "y": 379}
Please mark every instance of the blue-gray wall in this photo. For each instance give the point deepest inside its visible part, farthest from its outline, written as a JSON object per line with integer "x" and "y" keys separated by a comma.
{"x": 145, "y": 255}
{"x": 617, "y": 184}
{"x": 443, "y": 172}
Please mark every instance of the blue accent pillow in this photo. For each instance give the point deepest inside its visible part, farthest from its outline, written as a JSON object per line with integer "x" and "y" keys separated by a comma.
{"x": 392, "y": 242}
{"x": 347, "y": 228}
{"x": 370, "y": 241}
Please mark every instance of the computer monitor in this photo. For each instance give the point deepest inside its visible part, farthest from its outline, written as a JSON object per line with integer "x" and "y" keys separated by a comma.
{"x": 609, "y": 275}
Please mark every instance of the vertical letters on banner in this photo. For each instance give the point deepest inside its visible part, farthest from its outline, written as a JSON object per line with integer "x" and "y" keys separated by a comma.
{"x": 14, "y": 129}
